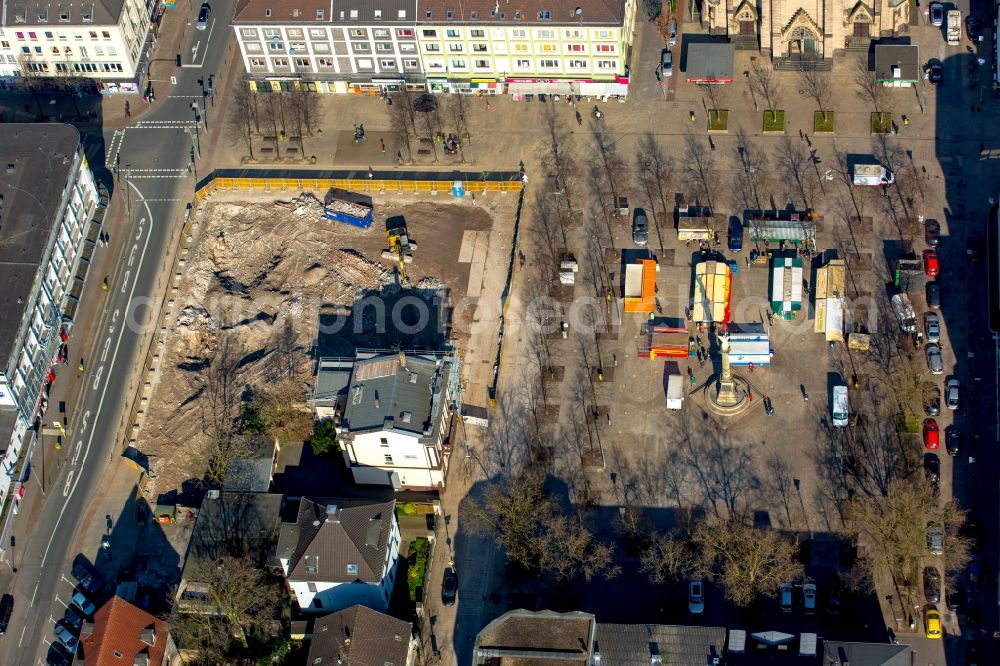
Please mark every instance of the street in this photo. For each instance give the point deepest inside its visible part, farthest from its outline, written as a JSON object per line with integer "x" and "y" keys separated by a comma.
{"x": 153, "y": 184}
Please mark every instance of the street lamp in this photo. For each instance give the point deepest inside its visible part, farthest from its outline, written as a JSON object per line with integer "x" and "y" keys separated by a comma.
{"x": 128, "y": 194}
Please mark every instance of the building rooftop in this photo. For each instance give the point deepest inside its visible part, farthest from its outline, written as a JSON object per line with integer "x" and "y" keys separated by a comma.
{"x": 235, "y": 524}
{"x": 897, "y": 62}
{"x": 543, "y": 638}
{"x": 340, "y": 541}
{"x": 640, "y": 644}
{"x": 124, "y": 635}
{"x": 42, "y": 12}
{"x": 836, "y": 653}
{"x": 37, "y": 160}
{"x": 359, "y": 636}
{"x": 710, "y": 62}
{"x": 398, "y": 392}
{"x": 305, "y": 12}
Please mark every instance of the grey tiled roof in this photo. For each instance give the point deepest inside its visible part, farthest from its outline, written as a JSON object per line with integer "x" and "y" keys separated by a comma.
{"x": 393, "y": 391}
{"x": 836, "y": 653}
{"x": 87, "y": 12}
{"x": 562, "y": 637}
{"x": 294, "y": 12}
{"x": 529, "y": 12}
{"x": 360, "y": 636}
{"x": 250, "y": 475}
{"x": 342, "y": 545}
{"x": 635, "y": 644}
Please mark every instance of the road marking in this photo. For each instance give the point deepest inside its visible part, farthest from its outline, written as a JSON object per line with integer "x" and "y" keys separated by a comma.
{"x": 125, "y": 281}
{"x": 97, "y": 378}
{"x": 23, "y": 629}
{"x": 104, "y": 392}
{"x": 69, "y": 481}
{"x": 65, "y": 605}
{"x": 114, "y": 318}
{"x": 33, "y": 594}
{"x": 194, "y": 50}
{"x": 76, "y": 452}
{"x": 85, "y": 419}
{"x": 107, "y": 347}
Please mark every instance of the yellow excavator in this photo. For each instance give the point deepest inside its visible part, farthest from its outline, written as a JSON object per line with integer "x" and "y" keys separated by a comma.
{"x": 401, "y": 249}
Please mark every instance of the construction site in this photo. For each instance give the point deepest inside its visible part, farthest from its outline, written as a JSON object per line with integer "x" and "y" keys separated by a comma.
{"x": 301, "y": 275}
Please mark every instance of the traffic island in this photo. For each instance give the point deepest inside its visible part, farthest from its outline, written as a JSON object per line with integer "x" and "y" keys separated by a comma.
{"x": 882, "y": 123}
{"x": 774, "y": 122}
{"x": 823, "y": 122}
{"x": 718, "y": 120}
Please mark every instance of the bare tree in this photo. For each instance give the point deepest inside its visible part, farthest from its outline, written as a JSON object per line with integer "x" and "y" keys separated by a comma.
{"x": 668, "y": 557}
{"x": 655, "y": 173}
{"x": 297, "y": 114}
{"x": 869, "y": 89}
{"x": 765, "y": 84}
{"x": 283, "y": 411}
{"x": 816, "y": 85}
{"x": 794, "y": 165}
{"x": 310, "y": 109}
{"x": 403, "y": 121}
{"x": 222, "y": 392}
{"x": 753, "y": 188}
{"x": 242, "y": 116}
{"x": 33, "y": 82}
{"x": 699, "y": 164}
{"x": 747, "y": 562}
{"x": 274, "y": 118}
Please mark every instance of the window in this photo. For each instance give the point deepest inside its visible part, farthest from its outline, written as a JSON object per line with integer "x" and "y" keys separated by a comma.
{"x": 352, "y": 569}
{"x": 519, "y": 34}
{"x": 312, "y": 563}
{"x": 378, "y": 14}
{"x": 577, "y": 64}
{"x": 545, "y": 15}
{"x": 271, "y": 33}
{"x": 248, "y": 33}
{"x": 477, "y": 34}
{"x": 499, "y": 47}
{"x": 452, "y": 34}
{"x": 321, "y": 47}
{"x": 319, "y": 14}
{"x": 324, "y": 62}
{"x": 317, "y": 33}
{"x": 63, "y": 14}
{"x": 606, "y": 64}
{"x": 430, "y": 33}
{"x": 354, "y": 14}
{"x": 479, "y": 48}
{"x": 387, "y": 63}
{"x": 98, "y": 51}
{"x": 297, "y": 47}
{"x": 267, "y": 13}
{"x": 361, "y": 47}
{"x": 455, "y": 48}
{"x": 381, "y": 33}
{"x": 576, "y": 48}
{"x": 43, "y": 14}
{"x": 428, "y": 14}
{"x": 520, "y": 48}
{"x": 254, "y": 47}
{"x": 93, "y": 34}
{"x": 302, "y": 63}
{"x": 112, "y": 51}
{"x": 482, "y": 64}
{"x": 517, "y": 15}
{"x": 311, "y": 587}
{"x": 605, "y": 48}
{"x": 545, "y": 34}
{"x": 365, "y": 63}
{"x": 602, "y": 34}
{"x": 294, "y": 33}
{"x": 32, "y": 36}
{"x": 458, "y": 63}
{"x": 449, "y": 14}
{"x": 549, "y": 64}
{"x": 296, "y": 13}
{"x": 407, "y": 47}
{"x": 404, "y": 32}
{"x": 410, "y": 63}
{"x": 548, "y": 48}
{"x": 522, "y": 63}
{"x": 473, "y": 15}
{"x": 276, "y": 46}
{"x": 55, "y": 50}
{"x": 87, "y": 12}
{"x": 388, "y": 458}
{"x": 574, "y": 34}
{"x": 432, "y": 48}
{"x": 384, "y": 47}
{"x": 280, "y": 62}
{"x": 357, "y": 32}
{"x": 401, "y": 15}
{"x": 383, "y": 442}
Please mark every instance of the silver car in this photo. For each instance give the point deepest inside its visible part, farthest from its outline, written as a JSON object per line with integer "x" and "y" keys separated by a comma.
{"x": 951, "y": 393}
{"x": 668, "y": 63}
{"x": 932, "y": 326}
{"x": 203, "y": 14}
{"x": 937, "y": 14}
{"x": 934, "y": 361}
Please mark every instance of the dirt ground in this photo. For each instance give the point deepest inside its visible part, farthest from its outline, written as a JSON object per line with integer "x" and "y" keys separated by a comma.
{"x": 263, "y": 270}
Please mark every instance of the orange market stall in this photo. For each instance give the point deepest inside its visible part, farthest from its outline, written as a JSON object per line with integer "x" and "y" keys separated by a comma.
{"x": 640, "y": 286}
{"x": 664, "y": 341}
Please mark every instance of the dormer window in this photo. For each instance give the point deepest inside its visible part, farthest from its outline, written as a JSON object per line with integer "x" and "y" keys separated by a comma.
{"x": 545, "y": 15}
{"x": 267, "y": 13}
{"x": 473, "y": 15}
{"x": 87, "y": 13}
{"x": 354, "y": 14}
{"x": 64, "y": 13}
{"x": 352, "y": 569}
{"x": 296, "y": 13}
{"x": 449, "y": 14}
{"x": 43, "y": 14}
{"x": 20, "y": 14}
{"x": 428, "y": 14}
{"x": 517, "y": 15}
{"x": 312, "y": 564}
{"x": 319, "y": 14}
{"x": 378, "y": 14}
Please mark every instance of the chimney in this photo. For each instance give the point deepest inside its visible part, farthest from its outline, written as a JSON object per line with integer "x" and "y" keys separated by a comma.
{"x": 332, "y": 513}
{"x": 148, "y": 635}
{"x": 897, "y": 72}
{"x": 402, "y": 359}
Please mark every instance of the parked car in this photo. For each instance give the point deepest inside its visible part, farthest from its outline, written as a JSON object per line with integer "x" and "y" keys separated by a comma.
{"x": 935, "y": 538}
{"x": 937, "y": 14}
{"x": 640, "y": 227}
{"x": 6, "y": 608}
{"x": 933, "y": 293}
{"x": 672, "y": 39}
{"x": 58, "y": 655}
{"x": 85, "y": 574}
{"x": 66, "y": 636}
{"x": 809, "y": 598}
{"x": 735, "y": 235}
{"x": 696, "y": 597}
{"x": 74, "y": 618}
{"x": 203, "y": 15}
{"x": 974, "y": 29}
{"x": 932, "y": 327}
{"x": 953, "y": 597}
{"x": 935, "y": 73}
{"x": 932, "y": 401}
{"x": 932, "y": 267}
{"x": 667, "y": 68}
{"x": 786, "y": 597}
{"x": 932, "y": 585}
{"x": 449, "y": 587}
{"x": 934, "y": 362}
{"x": 932, "y": 436}
{"x": 953, "y": 440}
{"x": 932, "y": 228}
{"x": 83, "y": 602}
{"x": 951, "y": 393}
{"x": 932, "y": 467}
{"x": 768, "y": 407}
{"x": 932, "y": 622}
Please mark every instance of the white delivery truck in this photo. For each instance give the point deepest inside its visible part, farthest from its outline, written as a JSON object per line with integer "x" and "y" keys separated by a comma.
{"x": 954, "y": 27}
{"x": 838, "y": 406}
{"x": 872, "y": 175}
{"x": 904, "y": 313}
{"x": 675, "y": 392}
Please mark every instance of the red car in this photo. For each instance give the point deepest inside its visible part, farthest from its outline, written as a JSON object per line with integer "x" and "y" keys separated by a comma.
{"x": 932, "y": 436}
{"x": 931, "y": 266}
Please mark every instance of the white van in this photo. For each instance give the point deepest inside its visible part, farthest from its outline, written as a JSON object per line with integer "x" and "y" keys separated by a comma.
{"x": 672, "y": 40}
{"x": 838, "y": 406}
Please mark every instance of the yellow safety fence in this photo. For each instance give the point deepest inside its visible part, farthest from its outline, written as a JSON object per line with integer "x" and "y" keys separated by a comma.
{"x": 274, "y": 184}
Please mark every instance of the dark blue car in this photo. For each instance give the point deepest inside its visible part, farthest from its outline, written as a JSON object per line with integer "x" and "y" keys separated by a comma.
{"x": 735, "y": 236}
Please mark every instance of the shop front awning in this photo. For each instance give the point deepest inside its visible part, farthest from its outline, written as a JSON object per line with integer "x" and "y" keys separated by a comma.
{"x": 544, "y": 88}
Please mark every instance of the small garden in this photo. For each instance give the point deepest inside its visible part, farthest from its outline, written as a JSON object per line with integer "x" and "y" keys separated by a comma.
{"x": 718, "y": 120}
{"x": 882, "y": 123}
{"x": 416, "y": 567}
{"x": 774, "y": 121}
{"x": 823, "y": 122}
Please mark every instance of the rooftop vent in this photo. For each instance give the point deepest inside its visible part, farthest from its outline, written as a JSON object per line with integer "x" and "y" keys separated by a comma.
{"x": 331, "y": 513}
{"x": 897, "y": 72}
{"x": 413, "y": 378}
{"x": 352, "y": 569}
{"x": 212, "y": 494}
{"x": 406, "y": 417}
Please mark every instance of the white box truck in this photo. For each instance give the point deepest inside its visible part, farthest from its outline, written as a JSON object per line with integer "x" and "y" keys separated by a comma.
{"x": 675, "y": 392}
{"x": 839, "y": 409}
{"x": 954, "y": 27}
{"x": 904, "y": 313}
{"x": 872, "y": 175}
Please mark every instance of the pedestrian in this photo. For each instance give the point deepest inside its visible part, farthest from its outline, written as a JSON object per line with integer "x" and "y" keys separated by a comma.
{"x": 489, "y": 107}
{"x": 614, "y": 357}
{"x": 692, "y": 116}
{"x": 388, "y": 100}
{"x": 801, "y": 136}
{"x": 382, "y": 143}
{"x": 128, "y": 111}
{"x": 747, "y": 259}
{"x": 609, "y": 417}
{"x": 399, "y": 156}
{"x": 751, "y": 368}
{"x": 699, "y": 356}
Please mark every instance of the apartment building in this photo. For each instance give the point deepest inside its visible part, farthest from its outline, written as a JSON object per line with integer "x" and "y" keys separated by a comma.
{"x": 105, "y": 44}
{"x": 487, "y": 46}
{"x": 48, "y": 197}
{"x": 360, "y": 46}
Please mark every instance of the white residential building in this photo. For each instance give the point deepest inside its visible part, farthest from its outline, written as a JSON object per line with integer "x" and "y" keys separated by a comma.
{"x": 103, "y": 44}
{"x": 48, "y": 198}
{"x": 393, "y": 412}
{"x": 341, "y": 554}
{"x": 540, "y": 46}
